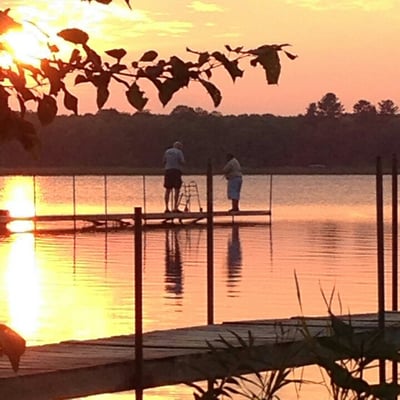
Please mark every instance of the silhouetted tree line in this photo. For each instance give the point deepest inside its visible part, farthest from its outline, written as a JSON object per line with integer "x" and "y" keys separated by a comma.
{"x": 325, "y": 135}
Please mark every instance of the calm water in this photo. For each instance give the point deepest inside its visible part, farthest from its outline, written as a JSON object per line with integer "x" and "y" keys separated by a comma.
{"x": 66, "y": 286}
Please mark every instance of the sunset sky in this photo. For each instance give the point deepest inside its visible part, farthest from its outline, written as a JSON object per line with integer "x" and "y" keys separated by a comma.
{"x": 348, "y": 47}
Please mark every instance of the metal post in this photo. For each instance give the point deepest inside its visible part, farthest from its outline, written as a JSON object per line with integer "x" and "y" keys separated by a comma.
{"x": 380, "y": 259}
{"x": 138, "y": 305}
{"x": 210, "y": 246}
{"x": 394, "y": 235}
{"x": 106, "y": 201}
{"x": 34, "y": 201}
{"x": 74, "y": 198}
{"x": 270, "y": 198}
{"x": 144, "y": 193}
{"x": 394, "y": 250}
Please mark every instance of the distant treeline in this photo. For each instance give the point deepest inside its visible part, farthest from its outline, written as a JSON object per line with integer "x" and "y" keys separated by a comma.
{"x": 111, "y": 139}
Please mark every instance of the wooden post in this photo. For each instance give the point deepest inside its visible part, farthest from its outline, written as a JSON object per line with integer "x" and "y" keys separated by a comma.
{"x": 138, "y": 304}
{"x": 380, "y": 259}
{"x": 210, "y": 246}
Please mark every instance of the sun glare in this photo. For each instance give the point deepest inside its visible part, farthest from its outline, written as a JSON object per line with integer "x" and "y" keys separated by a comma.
{"x": 19, "y": 202}
{"x": 26, "y": 45}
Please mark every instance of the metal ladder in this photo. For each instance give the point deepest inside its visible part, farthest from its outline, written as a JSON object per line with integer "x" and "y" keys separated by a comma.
{"x": 188, "y": 192}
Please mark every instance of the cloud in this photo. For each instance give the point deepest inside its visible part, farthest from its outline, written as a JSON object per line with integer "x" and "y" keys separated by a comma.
{"x": 366, "y": 5}
{"x": 204, "y": 7}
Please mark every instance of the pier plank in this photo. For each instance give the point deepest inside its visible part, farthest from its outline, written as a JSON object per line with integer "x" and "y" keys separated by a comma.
{"x": 79, "y": 368}
{"x": 126, "y": 220}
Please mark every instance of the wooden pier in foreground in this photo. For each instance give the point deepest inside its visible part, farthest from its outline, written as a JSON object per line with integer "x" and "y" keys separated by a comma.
{"x": 74, "y": 368}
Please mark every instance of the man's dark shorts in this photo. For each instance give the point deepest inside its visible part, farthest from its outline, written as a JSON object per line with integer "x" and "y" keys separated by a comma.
{"x": 173, "y": 179}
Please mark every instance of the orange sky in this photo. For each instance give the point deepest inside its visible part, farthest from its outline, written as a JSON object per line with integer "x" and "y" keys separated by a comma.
{"x": 349, "y": 47}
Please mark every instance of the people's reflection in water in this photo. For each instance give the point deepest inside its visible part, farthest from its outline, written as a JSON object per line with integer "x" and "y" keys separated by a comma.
{"x": 234, "y": 257}
{"x": 173, "y": 264}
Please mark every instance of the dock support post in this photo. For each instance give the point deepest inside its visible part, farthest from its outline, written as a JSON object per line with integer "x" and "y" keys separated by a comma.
{"x": 144, "y": 193}
{"x": 74, "y": 198}
{"x": 210, "y": 246}
{"x": 34, "y": 202}
{"x": 270, "y": 199}
{"x": 138, "y": 305}
{"x": 380, "y": 259}
{"x": 106, "y": 200}
{"x": 394, "y": 249}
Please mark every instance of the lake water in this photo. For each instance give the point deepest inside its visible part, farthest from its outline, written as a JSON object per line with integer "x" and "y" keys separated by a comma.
{"x": 77, "y": 286}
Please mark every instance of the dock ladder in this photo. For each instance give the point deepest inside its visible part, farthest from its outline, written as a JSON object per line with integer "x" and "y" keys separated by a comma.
{"x": 189, "y": 194}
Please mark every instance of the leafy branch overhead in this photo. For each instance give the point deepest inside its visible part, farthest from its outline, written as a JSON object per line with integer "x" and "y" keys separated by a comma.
{"x": 45, "y": 83}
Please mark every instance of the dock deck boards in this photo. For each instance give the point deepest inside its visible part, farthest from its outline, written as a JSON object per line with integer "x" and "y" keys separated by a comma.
{"x": 79, "y": 368}
{"x": 126, "y": 220}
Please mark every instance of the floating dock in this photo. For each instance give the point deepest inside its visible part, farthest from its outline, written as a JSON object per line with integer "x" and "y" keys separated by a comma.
{"x": 72, "y": 369}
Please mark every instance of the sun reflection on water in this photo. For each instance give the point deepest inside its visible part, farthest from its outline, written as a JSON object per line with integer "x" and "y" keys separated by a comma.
{"x": 19, "y": 201}
{"x": 23, "y": 285}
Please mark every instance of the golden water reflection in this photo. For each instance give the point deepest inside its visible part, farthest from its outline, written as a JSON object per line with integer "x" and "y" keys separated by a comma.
{"x": 23, "y": 285}
{"x": 19, "y": 201}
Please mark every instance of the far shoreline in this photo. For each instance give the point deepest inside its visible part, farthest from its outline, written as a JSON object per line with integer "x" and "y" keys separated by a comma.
{"x": 282, "y": 170}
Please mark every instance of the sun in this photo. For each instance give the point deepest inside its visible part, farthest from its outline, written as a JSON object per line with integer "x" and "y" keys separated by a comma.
{"x": 26, "y": 45}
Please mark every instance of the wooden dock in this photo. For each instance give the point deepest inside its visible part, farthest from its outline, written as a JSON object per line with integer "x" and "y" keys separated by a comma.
{"x": 73, "y": 368}
{"x": 126, "y": 220}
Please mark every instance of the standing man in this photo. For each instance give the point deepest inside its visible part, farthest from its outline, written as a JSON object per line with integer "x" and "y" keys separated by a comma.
{"x": 173, "y": 161}
{"x": 233, "y": 174}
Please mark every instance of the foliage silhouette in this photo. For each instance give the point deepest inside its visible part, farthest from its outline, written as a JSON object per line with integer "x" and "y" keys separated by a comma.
{"x": 12, "y": 345}
{"x": 45, "y": 83}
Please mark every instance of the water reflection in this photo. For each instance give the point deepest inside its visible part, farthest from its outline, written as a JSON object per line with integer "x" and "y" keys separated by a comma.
{"x": 173, "y": 264}
{"x": 234, "y": 258}
{"x": 18, "y": 199}
{"x": 23, "y": 285}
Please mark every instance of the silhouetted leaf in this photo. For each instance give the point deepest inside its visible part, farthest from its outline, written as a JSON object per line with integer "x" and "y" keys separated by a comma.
{"x": 231, "y": 66}
{"x": 235, "y": 50}
{"x": 53, "y": 48}
{"x": 271, "y": 64}
{"x": 47, "y": 109}
{"x": 93, "y": 57}
{"x": 26, "y": 94}
{"x": 136, "y": 97}
{"x": 116, "y": 53}
{"x": 81, "y": 79}
{"x": 167, "y": 90}
{"x": 203, "y": 58}
{"x": 290, "y": 55}
{"x": 102, "y": 95}
{"x": 54, "y": 76}
{"x": 116, "y": 68}
{"x": 153, "y": 71}
{"x": 12, "y": 345}
{"x": 75, "y": 56}
{"x": 7, "y": 23}
{"x": 74, "y": 35}
{"x": 179, "y": 71}
{"x": 149, "y": 56}
{"x": 70, "y": 102}
{"x": 213, "y": 91}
